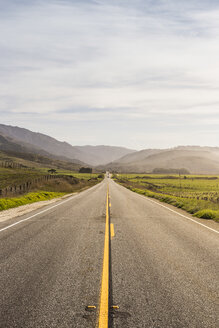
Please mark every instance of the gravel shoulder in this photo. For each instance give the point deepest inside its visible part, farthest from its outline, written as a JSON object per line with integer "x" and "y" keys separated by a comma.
{"x": 24, "y": 209}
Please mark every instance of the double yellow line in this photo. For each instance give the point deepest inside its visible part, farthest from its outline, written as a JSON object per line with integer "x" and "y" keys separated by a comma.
{"x": 104, "y": 295}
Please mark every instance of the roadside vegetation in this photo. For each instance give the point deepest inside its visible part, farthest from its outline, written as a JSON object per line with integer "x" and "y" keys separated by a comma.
{"x": 60, "y": 183}
{"x": 6, "y": 203}
{"x": 76, "y": 174}
{"x": 198, "y": 195}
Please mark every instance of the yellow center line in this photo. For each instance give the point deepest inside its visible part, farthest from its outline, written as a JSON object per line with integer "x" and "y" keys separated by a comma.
{"x": 104, "y": 295}
{"x": 112, "y": 231}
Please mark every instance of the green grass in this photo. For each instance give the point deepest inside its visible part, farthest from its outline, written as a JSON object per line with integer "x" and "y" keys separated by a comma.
{"x": 11, "y": 177}
{"x": 85, "y": 176}
{"x": 208, "y": 214}
{"x": 198, "y": 195}
{"x": 67, "y": 184}
{"x": 42, "y": 189}
{"x": 6, "y": 203}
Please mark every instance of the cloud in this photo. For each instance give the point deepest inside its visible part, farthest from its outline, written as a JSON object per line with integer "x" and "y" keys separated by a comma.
{"x": 142, "y": 62}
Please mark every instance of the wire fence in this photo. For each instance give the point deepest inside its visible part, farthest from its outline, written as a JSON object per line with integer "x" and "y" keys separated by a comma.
{"x": 26, "y": 186}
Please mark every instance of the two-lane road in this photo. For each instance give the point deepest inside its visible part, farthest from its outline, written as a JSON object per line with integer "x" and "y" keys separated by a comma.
{"x": 164, "y": 269}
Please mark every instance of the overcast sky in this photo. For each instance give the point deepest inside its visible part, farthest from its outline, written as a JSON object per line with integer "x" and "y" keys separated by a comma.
{"x": 135, "y": 73}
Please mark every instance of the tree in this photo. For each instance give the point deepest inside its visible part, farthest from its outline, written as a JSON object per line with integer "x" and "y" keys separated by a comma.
{"x": 52, "y": 171}
{"x": 85, "y": 170}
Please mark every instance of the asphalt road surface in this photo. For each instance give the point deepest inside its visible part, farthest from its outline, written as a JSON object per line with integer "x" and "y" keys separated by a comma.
{"x": 163, "y": 267}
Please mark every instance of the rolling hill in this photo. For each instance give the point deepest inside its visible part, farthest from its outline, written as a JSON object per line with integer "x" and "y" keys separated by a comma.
{"x": 196, "y": 160}
{"x": 25, "y": 144}
{"x": 10, "y": 151}
{"x": 91, "y": 155}
{"x": 95, "y": 155}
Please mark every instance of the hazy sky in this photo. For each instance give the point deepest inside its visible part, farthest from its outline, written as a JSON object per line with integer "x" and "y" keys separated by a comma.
{"x": 136, "y": 73}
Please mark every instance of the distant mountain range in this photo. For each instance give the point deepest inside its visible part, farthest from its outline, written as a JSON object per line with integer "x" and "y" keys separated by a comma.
{"x": 45, "y": 145}
{"x": 193, "y": 159}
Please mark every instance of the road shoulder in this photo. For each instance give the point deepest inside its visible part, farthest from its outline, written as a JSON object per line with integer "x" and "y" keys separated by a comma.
{"x": 24, "y": 209}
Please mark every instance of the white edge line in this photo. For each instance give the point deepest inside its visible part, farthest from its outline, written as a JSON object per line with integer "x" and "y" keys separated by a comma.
{"x": 184, "y": 216}
{"x": 32, "y": 216}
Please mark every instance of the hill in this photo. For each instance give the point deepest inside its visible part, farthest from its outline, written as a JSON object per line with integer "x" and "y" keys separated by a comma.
{"x": 196, "y": 160}
{"x": 96, "y": 155}
{"x": 21, "y": 154}
{"x": 92, "y": 155}
{"x": 38, "y": 147}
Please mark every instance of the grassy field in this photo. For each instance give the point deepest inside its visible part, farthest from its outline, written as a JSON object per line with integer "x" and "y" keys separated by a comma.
{"x": 44, "y": 189}
{"x": 198, "y": 195}
{"x": 10, "y": 177}
{"x": 85, "y": 176}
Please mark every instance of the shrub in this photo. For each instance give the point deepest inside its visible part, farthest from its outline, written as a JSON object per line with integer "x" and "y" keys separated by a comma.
{"x": 208, "y": 214}
{"x": 85, "y": 170}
